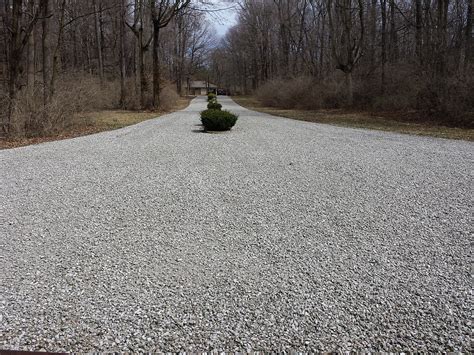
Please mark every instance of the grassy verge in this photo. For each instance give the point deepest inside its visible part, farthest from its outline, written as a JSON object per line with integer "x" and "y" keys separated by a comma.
{"x": 381, "y": 121}
{"x": 94, "y": 122}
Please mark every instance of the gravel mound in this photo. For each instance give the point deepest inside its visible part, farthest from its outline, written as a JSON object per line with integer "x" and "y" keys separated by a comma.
{"x": 278, "y": 235}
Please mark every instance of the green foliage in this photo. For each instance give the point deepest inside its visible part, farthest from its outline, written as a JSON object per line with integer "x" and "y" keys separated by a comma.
{"x": 213, "y": 105}
{"x": 211, "y": 96}
{"x": 217, "y": 120}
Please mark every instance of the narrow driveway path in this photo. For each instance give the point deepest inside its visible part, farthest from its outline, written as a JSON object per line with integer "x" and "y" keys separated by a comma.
{"x": 277, "y": 235}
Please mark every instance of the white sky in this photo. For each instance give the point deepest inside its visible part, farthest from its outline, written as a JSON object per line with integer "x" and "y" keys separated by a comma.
{"x": 223, "y": 20}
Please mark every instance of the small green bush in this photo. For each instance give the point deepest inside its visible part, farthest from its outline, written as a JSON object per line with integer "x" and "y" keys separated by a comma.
{"x": 211, "y": 96}
{"x": 217, "y": 120}
{"x": 213, "y": 105}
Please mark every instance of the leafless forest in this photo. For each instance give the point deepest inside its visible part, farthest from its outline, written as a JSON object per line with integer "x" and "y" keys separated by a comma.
{"x": 60, "y": 57}
{"x": 392, "y": 55}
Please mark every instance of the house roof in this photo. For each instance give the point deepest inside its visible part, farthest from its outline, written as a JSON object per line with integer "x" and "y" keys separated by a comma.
{"x": 198, "y": 84}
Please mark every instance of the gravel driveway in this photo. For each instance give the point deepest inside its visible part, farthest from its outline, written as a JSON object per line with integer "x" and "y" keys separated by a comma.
{"x": 278, "y": 235}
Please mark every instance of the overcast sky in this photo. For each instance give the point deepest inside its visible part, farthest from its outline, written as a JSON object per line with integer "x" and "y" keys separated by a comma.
{"x": 223, "y": 20}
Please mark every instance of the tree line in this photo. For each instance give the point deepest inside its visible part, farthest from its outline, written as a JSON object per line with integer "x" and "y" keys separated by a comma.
{"x": 120, "y": 53}
{"x": 357, "y": 53}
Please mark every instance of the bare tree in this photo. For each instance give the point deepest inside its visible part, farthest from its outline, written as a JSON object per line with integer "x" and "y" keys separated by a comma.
{"x": 419, "y": 31}
{"x": 162, "y": 12}
{"x": 98, "y": 36}
{"x": 122, "y": 53}
{"x": 346, "y": 23}
{"x": 383, "y": 11}
{"x": 142, "y": 47}
{"x": 19, "y": 37}
{"x": 54, "y": 69}
{"x": 45, "y": 48}
{"x": 376, "y": 44}
{"x": 469, "y": 45}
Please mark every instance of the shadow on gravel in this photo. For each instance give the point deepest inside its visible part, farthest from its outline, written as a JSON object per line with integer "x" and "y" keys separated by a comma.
{"x": 198, "y": 130}
{"x": 208, "y": 132}
{"x": 202, "y": 130}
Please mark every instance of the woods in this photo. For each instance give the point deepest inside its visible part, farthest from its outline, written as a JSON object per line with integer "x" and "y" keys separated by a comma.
{"x": 387, "y": 55}
{"x": 61, "y": 57}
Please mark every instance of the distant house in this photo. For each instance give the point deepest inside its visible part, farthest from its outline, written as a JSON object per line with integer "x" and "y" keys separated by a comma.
{"x": 198, "y": 87}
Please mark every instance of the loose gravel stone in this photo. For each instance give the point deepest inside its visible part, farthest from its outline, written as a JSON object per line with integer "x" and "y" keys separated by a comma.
{"x": 278, "y": 235}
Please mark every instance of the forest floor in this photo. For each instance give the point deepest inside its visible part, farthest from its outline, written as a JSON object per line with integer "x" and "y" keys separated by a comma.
{"x": 384, "y": 121}
{"x": 95, "y": 122}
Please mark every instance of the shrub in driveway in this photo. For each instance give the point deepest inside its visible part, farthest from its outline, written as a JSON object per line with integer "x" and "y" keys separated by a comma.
{"x": 217, "y": 120}
{"x": 214, "y": 105}
{"x": 211, "y": 97}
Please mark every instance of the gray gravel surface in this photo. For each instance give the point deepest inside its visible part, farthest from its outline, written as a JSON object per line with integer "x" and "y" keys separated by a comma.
{"x": 279, "y": 235}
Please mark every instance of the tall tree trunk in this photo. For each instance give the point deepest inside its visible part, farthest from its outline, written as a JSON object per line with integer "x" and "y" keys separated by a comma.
{"x": 177, "y": 53}
{"x": 299, "y": 47}
{"x": 284, "y": 37}
{"x": 427, "y": 23}
{"x": 393, "y": 34}
{"x": 13, "y": 62}
{"x": 141, "y": 69}
{"x": 322, "y": 50}
{"x": 122, "y": 53}
{"x": 181, "y": 47}
{"x": 141, "y": 48}
{"x": 98, "y": 36}
{"x": 88, "y": 53}
{"x": 45, "y": 51}
{"x": 156, "y": 65}
{"x": 31, "y": 63}
{"x": 31, "y": 69}
{"x": 6, "y": 54}
{"x": 469, "y": 42}
{"x": 383, "y": 10}
{"x": 418, "y": 31}
{"x": 74, "y": 48}
{"x": 31, "y": 57}
{"x": 54, "y": 70}
{"x": 442, "y": 26}
{"x": 142, "y": 85}
{"x": 373, "y": 32}
{"x": 138, "y": 44}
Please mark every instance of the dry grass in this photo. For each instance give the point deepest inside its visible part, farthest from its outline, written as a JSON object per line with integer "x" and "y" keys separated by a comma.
{"x": 379, "y": 121}
{"x": 94, "y": 122}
